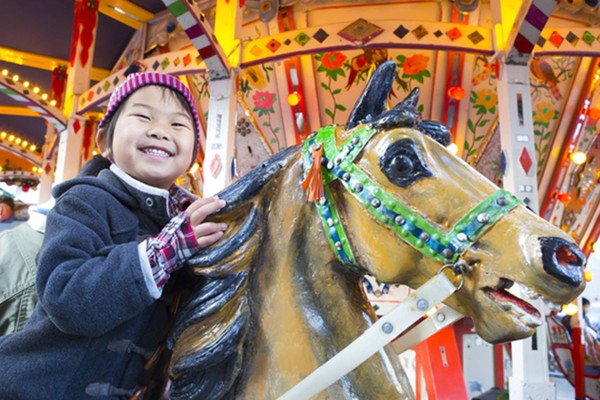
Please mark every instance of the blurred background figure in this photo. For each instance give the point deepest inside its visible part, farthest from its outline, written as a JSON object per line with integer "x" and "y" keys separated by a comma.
{"x": 12, "y": 213}
{"x": 18, "y": 250}
{"x": 590, "y": 336}
{"x": 7, "y": 209}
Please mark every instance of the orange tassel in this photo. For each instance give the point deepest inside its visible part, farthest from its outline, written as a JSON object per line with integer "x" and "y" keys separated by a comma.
{"x": 314, "y": 177}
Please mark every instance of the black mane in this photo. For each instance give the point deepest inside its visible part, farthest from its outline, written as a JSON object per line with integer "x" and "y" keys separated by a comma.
{"x": 211, "y": 371}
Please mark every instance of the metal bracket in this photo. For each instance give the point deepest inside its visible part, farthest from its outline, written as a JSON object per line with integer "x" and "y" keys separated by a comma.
{"x": 431, "y": 293}
{"x": 442, "y": 318}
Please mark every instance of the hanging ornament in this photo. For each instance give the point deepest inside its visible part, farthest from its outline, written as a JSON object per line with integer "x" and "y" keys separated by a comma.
{"x": 88, "y": 138}
{"x": 59, "y": 80}
{"x": 594, "y": 113}
{"x": 456, "y": 92}
{"x": 564, "y": 197}
{"x": 84, "y": 25}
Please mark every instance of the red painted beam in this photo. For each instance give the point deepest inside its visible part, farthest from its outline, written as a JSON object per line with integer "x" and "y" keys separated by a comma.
{"x": 560, "y": 170}
{"x": 593, "y": 238}
{"x": 454, "y": 70}
{"x": 578, "y": 361}
{"x": 293, "y": 72}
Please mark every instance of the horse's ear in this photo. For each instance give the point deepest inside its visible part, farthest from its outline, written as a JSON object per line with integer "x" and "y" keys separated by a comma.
{"x": 372, "y": 101}
{"x": 410, "y": 101}
{"x": 437, "y": 132}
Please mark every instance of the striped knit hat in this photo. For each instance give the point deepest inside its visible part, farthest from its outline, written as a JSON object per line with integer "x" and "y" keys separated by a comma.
{"x": 141, "y": 79}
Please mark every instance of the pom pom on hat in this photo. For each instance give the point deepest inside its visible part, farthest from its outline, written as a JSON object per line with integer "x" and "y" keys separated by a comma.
{"x": 138, "y": 80}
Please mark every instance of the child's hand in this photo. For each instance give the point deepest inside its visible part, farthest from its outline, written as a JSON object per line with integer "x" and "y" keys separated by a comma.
{"x": 206, "y": 233}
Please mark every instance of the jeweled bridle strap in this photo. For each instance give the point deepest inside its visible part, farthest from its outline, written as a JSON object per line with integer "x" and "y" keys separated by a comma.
{"x": 338, "y": 164}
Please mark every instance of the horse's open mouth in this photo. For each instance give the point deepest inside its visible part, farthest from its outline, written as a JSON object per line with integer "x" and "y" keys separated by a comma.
{"x": 510, "y": 303}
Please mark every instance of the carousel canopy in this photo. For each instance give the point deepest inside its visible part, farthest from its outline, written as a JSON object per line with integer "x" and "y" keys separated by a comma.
{"x": 300, "y": 65}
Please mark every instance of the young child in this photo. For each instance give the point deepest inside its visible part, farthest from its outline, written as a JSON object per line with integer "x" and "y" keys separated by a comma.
{"x": 112, "y": 246}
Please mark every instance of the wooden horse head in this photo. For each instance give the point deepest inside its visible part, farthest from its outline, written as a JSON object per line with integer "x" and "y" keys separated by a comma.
{"x": 281, "y": 294}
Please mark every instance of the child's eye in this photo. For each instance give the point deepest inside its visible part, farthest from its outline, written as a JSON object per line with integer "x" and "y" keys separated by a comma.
{"x": 142, "y": 116}
{"x": 180, "y": 125}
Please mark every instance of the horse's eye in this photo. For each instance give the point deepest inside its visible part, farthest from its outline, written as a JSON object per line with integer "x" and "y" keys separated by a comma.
{"x": 402, "y": 163}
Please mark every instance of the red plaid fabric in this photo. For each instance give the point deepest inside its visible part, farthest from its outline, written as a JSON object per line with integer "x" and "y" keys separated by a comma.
{"x": 168, "y": 250}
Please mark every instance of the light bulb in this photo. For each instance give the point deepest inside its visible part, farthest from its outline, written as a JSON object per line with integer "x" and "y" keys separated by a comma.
{"x": 452, "y": 148}
{"x": 578, "y": 157}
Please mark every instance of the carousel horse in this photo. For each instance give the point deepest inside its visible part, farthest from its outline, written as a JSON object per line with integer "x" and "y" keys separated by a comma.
{"x": 281, "y": 293}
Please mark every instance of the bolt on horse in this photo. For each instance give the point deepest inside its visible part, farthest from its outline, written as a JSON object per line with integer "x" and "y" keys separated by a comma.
{"x": 281, "y": 294}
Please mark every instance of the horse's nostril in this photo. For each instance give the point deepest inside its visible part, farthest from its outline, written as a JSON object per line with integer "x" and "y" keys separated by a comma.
{"x": 563, "y": 260}
{"x": 566, "y": 258}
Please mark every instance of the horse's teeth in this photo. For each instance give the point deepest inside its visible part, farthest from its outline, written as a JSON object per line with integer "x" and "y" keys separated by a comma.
{"x": 552, "y": 305}
{"x": 532, "y": 294}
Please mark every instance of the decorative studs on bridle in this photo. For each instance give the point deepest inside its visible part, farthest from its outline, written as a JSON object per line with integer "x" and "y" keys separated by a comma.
{"x": 324, "y": 163}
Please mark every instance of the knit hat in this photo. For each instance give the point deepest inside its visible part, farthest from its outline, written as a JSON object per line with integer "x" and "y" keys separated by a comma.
{"x": 138, "y": 80}
{"x": 8, "y": 200}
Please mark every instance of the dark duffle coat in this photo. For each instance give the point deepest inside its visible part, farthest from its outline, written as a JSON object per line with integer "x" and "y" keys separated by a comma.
{"x": 95, "y": 323}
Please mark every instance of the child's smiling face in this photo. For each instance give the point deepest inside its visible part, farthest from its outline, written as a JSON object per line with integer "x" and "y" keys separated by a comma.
{"x": 153, "y": 137}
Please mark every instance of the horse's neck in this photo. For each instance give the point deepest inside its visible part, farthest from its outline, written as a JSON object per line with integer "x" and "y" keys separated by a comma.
{"x": 307, "y": 287}
{"x": 306, "y": 305}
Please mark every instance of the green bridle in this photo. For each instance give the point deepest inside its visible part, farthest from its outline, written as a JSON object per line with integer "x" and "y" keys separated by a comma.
{"x": 338, "y": 164}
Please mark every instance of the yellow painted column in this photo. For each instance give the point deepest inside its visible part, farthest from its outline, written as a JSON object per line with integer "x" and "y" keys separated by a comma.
{"x": 220, "y": 138}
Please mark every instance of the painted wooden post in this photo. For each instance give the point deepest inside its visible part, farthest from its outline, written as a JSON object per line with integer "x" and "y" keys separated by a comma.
{"x": 220, "y": 138}
{"x": 220, "y": 134}
{"x": 530, "y": 356}
{"x": 48, "y": 165}
{"x": 83, "y": 42}
{"x": 517, "y": 32}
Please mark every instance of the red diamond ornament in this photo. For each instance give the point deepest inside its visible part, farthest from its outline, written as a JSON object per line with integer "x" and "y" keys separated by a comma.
{"x": 525, "y": 160}
{"x": 556, "y": 39}
{"x": 76, "y": 126}
{"x": 454, "y": 34}
{"x": 215, "y": 166}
